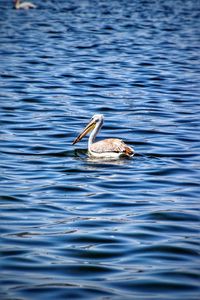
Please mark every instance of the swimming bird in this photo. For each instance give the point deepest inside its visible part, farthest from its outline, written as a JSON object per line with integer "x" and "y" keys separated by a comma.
{"x": 108, "y": 148}
{"x": 23, "y": 5}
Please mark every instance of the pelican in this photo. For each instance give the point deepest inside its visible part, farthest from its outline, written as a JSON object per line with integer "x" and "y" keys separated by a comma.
{"x": 23, "y": 5}
{"x": 108, "y": 148}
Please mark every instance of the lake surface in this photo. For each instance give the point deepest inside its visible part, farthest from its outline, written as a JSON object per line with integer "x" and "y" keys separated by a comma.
{"x": 77, "y": 228}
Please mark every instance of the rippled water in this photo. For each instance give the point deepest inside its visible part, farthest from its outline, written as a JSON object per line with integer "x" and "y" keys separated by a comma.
{"x": 76, "y": 228}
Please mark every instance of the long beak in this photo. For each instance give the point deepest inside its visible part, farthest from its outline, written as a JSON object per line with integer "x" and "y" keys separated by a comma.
{"x": 86, "y": 130}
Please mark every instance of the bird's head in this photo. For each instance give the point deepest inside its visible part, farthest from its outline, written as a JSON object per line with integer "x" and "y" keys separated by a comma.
{"x": 96, "y": 119}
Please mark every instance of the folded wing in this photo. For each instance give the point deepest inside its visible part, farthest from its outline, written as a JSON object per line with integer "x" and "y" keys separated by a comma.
{"x": 112, "y": 145}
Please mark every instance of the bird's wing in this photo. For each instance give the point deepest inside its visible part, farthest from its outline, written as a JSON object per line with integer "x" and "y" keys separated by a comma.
{"x": 111, "y": 145}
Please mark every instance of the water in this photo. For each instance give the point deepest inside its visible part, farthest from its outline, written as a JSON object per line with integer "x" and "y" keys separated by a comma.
{"x": 76, "y": 228}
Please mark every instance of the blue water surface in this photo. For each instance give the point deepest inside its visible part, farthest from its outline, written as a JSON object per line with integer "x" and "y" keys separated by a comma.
{"x": 78, "y": 228}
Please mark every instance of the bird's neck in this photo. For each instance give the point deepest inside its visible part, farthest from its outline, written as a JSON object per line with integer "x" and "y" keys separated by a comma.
{"x": 17, "y": 3}
{"x": 92, "y": 137}
{"x": 94, "y": 134}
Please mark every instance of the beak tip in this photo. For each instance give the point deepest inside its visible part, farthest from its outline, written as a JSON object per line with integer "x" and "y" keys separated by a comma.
{"x": 74, "y": 141}
{"x": 87, "y": 129}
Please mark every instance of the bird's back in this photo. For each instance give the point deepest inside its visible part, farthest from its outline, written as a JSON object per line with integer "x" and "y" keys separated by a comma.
{"x": 112, "y": 145}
